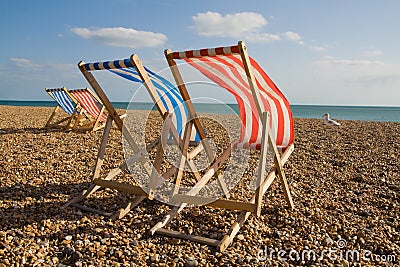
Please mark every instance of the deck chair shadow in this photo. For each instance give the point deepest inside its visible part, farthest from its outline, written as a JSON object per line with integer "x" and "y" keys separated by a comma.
{"x": 64, "y": 103}
{"x": 267, "y": 126}
{"x": 166, "y": 98}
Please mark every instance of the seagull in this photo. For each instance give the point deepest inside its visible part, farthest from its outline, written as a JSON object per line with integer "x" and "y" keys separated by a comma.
{"x": 328, "y": 121}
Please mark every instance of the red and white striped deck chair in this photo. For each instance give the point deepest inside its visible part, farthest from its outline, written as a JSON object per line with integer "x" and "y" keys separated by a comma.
{"x": 92, "y": 106}
{"x": 267, "y": 126}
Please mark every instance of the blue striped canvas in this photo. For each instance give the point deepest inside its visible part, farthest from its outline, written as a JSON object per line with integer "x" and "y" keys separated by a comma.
{"x": 64, "y": 101}
{"x": 169, "y": 95}
{"x": 115, "y": 64}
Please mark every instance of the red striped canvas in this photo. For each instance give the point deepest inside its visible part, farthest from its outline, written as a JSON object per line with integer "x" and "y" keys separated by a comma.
{"x": 224, "y": 66}
{"x": 89, "y": 103}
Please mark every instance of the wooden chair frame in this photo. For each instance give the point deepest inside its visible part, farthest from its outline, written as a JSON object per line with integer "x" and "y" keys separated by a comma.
{"x": 139, "y": 153}
{"x": 69, "y": 118}
{"x": 263, "y": 180}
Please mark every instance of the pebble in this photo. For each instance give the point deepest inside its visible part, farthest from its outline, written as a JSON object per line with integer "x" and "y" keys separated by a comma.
{"x": 328, "y": 241}
{"x": 345, "y": 263}
{"x": 345, "y": 184}
{"x": 240, "y": 237}
{"x": 190, "y": 262}
{"x": 155, "y": 258}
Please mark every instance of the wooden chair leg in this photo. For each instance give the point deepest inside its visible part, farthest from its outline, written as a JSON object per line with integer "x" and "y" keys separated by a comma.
{"x": 95, "y": 126}
{"x": 154, "y": 178}
{"x": 73, "y": 115}
{"x": 183, "y": 156}
{"x": 228, "y": 238}
{"x": 99, "y": 163}
{"x": 122, "y": 212}
{"x": 77, "y": 121}
{"x": 262, "y": 162}
{"x": 48, "y": 123}
{"x": 170, "y": 128}
{"x": 278, "y": 163}
{"x": 284, "y": 183}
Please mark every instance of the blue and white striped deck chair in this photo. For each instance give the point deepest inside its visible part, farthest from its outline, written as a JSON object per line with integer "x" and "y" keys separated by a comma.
{"x": 171, "y": 99}
{"x": 166, "y": 98}
{"x": 66, "y": 103}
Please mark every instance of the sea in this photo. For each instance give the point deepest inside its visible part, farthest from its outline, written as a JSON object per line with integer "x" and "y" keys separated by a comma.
{"x": 364, "y": 113}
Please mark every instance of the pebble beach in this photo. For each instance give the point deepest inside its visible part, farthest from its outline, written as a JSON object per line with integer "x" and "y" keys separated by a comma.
{"x": 345, "y": 184}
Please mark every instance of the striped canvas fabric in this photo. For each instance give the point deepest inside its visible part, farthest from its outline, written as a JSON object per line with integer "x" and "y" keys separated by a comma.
{"x": 169, "y": 95}
{"x": 224, "y": 66}
{"x": 89, "y": 103}
{"x": 63, "y": 100}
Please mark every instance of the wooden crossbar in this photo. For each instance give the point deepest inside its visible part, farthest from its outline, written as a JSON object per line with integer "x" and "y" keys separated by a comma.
{"x": 216, "y": 203}
{"x": 124, "y": 187}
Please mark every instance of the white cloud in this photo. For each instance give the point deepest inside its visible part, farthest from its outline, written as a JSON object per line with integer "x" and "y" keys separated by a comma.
{"x": 292, "y": 36}
{"x": 359, "y": 73}
{"x": 26, "y": 69}
{"x": 371, "y": 53}
{"x": 23, "y": 62}
{"x": 353, "y": 81}
{"x": 122, "y": 37}
{"x": 27, "y": 63}
{"x": 244, "y": 25}
{"x": 230, "y": 25}
{"x": 29, "y": 77}
{"x": 348, "y": 62}
{"x": 262, "y": 37}
{"x": 317, "y": 48}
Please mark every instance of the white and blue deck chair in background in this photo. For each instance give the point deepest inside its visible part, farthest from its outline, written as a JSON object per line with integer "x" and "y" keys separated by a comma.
{"x": 66, "y": 104}
{"x": 169, "y": 104}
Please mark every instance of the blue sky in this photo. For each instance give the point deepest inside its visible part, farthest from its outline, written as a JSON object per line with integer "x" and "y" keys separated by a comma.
{"x": 318, "y": 52}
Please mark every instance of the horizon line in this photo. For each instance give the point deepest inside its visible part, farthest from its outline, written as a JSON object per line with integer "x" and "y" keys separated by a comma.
{"x": 292, "y": 104}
